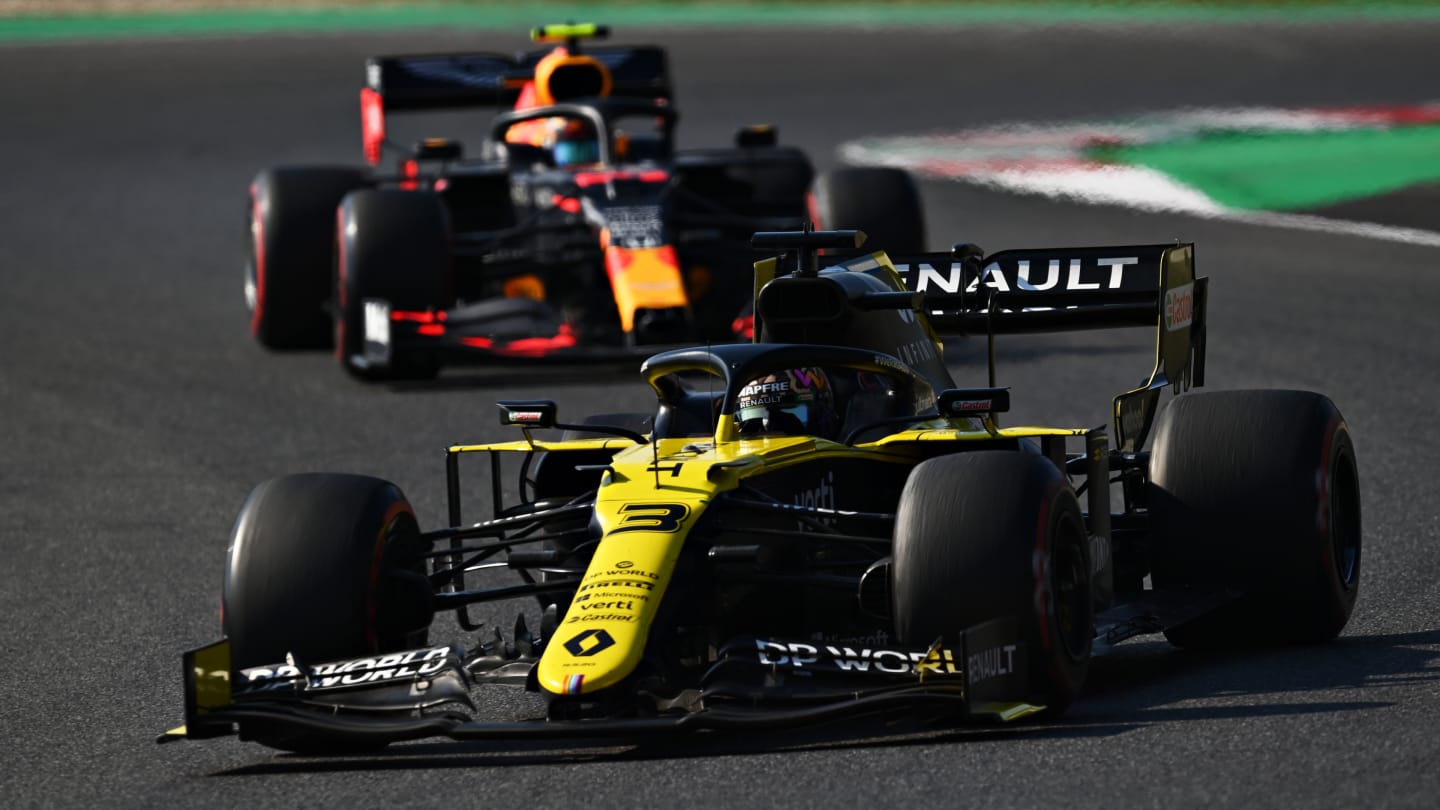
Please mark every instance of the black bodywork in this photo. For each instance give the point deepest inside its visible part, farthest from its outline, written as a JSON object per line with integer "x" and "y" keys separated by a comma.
{"x": 784, "y": 603}
{"x": 515, "y": 215}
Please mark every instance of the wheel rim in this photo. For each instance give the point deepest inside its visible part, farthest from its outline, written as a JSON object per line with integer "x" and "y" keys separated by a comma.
{"x": 1070, "y": 583}
{"x": 1345, "y": 522}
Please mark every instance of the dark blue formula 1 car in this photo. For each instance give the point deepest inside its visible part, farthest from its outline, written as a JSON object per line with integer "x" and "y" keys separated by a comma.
{"x": 580, "y": 230}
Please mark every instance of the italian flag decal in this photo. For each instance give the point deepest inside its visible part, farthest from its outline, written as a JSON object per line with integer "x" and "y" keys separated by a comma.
{"x": 1315, "y": 169}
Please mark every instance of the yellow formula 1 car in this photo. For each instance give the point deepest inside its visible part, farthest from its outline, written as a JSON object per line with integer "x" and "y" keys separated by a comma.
{"x": 815, "y": 525}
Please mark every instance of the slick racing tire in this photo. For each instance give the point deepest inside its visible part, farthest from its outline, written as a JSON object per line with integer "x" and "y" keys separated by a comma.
{"x": 393, "y": 246}
{"x": 881, "y": 201}
{"x": 990, "y": 535}
{"x": 290, "y": 253}
{"x": 325, "y": 567}
{"x": 1258, "y": 493}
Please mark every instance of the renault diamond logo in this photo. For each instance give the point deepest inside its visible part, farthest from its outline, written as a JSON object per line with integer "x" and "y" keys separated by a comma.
{"x": 589, "y": 642}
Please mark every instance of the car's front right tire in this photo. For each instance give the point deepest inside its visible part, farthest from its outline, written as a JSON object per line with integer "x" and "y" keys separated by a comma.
{"x": 324, "y": 566}
{"x": 289, "y": 255}
{"x": 394, "y": 246}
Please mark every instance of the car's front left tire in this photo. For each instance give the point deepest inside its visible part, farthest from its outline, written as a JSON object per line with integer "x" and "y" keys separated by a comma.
{"x": 996, "y": 535}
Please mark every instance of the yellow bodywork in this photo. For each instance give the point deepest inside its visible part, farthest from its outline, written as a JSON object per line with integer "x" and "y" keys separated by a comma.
{"x": 651, "y": 497}
{"x": 212, "y": 677}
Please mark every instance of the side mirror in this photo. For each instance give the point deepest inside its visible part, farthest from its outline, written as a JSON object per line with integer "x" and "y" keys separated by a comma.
{"x": 437, "y": 149}
{"x": 542, "y": 413}
{"x": 757, "y": 135}
{"x": 973, "y": 401}
{"x": 530, "y": 413}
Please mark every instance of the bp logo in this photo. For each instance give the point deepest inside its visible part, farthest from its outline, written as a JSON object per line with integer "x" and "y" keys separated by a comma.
{"x": 589, "y": 642}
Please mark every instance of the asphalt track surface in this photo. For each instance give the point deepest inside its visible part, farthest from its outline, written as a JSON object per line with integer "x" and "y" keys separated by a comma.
{"x": 135, "y": 414}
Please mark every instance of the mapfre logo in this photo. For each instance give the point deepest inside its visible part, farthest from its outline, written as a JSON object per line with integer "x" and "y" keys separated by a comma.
{"x": 1179, "y": 306}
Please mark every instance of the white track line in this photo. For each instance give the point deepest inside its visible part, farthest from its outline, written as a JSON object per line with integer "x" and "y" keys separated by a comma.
{"x": 1049, "y": 161}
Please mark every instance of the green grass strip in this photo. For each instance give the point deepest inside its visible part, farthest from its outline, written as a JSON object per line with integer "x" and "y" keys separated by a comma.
{"x": 490, "y": 15}
{"x": 1288, "y": 171}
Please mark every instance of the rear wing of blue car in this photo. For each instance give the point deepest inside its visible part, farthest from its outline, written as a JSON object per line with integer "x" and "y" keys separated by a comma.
{"x": 460, "y": 80}
{"x": 448, "y": 81}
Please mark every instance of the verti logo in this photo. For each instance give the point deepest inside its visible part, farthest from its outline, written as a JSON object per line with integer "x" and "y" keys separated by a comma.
{"x": 589, "y": 642}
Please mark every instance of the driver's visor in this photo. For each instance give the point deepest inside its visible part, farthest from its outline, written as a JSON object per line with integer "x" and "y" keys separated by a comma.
{"x": 764, "y": 417}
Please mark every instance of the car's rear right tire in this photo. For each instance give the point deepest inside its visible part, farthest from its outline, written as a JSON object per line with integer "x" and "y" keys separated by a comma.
{"x": 990, "y": 535}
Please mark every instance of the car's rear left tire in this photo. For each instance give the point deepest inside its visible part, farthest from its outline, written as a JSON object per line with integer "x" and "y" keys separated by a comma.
{"x": 989, "y": 535}
{"x": 884, "y": 202}
{"x": 1258, "y": 493}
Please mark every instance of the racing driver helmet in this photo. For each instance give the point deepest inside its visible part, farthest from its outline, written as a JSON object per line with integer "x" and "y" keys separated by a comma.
{"x": 796, "y": 402}
{"x": 574, "y": 142}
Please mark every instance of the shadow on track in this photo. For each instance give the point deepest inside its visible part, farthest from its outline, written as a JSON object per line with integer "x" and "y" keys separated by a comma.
{"x": 830, "y": 737}
{"x": 1136, "y": 686}
{"x": 1144, "y": 681}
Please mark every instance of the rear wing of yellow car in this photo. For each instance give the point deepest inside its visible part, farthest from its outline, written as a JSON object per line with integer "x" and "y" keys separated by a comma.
{"x": 966, "y": 293}
{"x": 1027, "y": 291}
